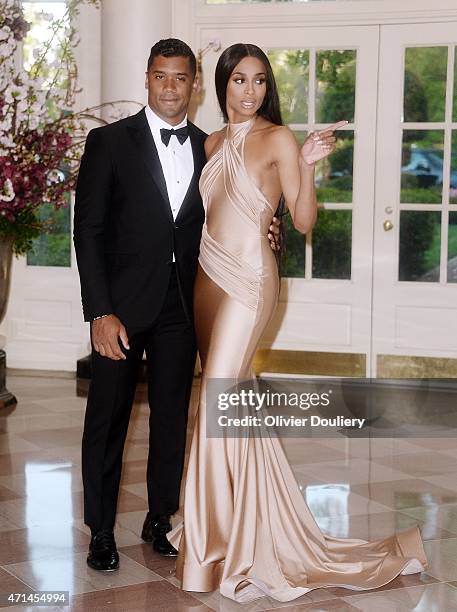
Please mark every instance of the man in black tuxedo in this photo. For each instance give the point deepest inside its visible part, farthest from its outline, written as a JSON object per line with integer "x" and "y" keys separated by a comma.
{"x": 137, "y": 227}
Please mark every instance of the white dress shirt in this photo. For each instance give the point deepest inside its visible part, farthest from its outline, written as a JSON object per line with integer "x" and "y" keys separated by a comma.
{"x": 176, "y": 159}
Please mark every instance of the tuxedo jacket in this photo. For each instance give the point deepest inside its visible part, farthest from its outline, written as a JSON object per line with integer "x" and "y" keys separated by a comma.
{"x": 124, "y": 231}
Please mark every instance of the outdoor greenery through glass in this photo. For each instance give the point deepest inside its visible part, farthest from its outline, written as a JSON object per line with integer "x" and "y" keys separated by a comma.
{"x": 335, "y": 85}
{"x": 422, "y": 167}
{"x": 420, "y": 244}
{"x": 291, "y": 68}
{"x": 452, "y": 248}
{"x": 454, "y": 113}
{"x": 425, "y": 84}
{"x": 332, "y": 242}
{"x": 335, "y": 99}
{"x": 54, "y": 247}
{"x": 453, "y": 178}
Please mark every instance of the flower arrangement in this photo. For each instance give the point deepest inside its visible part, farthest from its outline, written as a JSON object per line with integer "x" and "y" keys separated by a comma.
{"x": 41, "y": 135}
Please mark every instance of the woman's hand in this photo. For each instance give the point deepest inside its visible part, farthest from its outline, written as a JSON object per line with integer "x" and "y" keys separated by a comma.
{"x": 320, "y": 144}
{"x": 274, "y": 232}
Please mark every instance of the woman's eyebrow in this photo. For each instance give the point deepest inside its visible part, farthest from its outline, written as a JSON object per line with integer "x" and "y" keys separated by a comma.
{"x": 244, "y": 74}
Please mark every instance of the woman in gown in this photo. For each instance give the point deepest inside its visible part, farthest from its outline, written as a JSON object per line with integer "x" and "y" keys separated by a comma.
{"x": 247, "y": 528}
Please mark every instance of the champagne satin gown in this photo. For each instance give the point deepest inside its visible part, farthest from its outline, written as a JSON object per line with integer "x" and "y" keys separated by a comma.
{"x": 247, "y": 529}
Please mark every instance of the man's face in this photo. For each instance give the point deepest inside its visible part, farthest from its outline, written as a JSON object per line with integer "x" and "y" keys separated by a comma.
{"x": 170, "y": 84}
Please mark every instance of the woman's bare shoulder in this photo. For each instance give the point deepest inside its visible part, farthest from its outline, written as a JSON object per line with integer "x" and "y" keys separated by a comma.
{"x": 276, "y": 138}
{"x": 273, "y": 132}
{"x": 213, "y": 142}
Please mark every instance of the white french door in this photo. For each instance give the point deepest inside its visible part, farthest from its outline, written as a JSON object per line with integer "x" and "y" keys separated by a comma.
{"x": 415, "y": 246}
{"x": 325, "y": 303}
{"x": 390, "y": 218}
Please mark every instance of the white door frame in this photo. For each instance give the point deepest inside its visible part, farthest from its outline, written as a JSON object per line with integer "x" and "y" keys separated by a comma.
{"x": 319, "y": 314}
{"x": 409, "y": 318}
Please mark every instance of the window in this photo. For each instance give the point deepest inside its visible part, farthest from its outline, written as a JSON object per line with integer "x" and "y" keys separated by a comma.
{"x": 428, "y": 189}
{"x": 53, "y": 248}
{"x": 317, "y": 88}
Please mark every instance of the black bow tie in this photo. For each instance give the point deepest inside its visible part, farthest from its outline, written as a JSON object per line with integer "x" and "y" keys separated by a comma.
{"x": 181, "y": 134}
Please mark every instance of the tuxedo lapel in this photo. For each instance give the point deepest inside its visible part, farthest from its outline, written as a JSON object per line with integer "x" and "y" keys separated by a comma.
{"x": 141, "y": 134}
{"x": 198, "y": 153}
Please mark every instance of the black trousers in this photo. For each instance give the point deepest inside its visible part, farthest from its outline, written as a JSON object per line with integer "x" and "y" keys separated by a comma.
{"x": 170, "y": 350}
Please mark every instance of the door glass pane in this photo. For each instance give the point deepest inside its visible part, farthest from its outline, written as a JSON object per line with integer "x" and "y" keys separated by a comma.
{"x": 454, "y": 114}
{"x": 453, "y": 181}
{"x": 332, "y": 238}
{"x": 291, "y": 70}
{"x": 335, "y": 85}
{"x": 425, "y": 83}
{"x": 422, "y": 167}
{"x": 420, "y": 243}
{"x": 334, "y": 173}
{"x": 293, "y": 256}
{"x": 52, "y": 248}
{"x": 452, "y": 248}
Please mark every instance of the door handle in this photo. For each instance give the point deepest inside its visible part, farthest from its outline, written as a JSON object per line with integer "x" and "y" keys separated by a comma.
{"x": 387, "y": 225}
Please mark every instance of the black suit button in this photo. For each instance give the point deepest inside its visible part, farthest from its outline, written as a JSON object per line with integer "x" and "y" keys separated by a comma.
{"x": 176, "y": 226}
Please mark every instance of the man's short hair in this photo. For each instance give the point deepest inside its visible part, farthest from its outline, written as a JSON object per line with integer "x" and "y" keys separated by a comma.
{"x": 173, "y": 47}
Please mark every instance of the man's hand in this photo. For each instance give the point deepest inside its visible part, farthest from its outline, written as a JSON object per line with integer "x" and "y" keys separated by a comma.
{"x": 105, "y": 337}
{"x": 273, "y": 234}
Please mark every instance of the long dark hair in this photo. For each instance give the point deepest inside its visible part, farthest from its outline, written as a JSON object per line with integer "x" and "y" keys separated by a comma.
{"x": 226, "y": 64}
{"x": 270, "y": 109}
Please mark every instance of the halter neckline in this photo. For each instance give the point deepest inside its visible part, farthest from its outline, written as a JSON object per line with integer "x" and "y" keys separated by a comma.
{"x": 237, "y": 130}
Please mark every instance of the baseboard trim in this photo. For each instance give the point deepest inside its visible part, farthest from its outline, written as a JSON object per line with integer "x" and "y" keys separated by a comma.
{"x": 39, "y": 373}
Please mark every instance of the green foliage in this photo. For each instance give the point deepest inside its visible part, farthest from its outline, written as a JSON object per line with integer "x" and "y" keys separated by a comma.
{"x": 291, "y": 69}
{"x": 332, "y": 238}
{"x": 452, "y": 236}
{"x": 425, "y": 83}
{"x": 432, "y": 254}
{"x": 52, "y": 248}
{"x": 342, "y": 159}
{"x": 336, "y": 72}
{"x": 416, "y": 104}
{"x": 417, "y": 230}
{"x": 333, "y": 195}
{"x": 23, "y": 231}
{"x": 454, "y": 115}
{"x": 293, "y": 256}
{"x": 432, "y": 195}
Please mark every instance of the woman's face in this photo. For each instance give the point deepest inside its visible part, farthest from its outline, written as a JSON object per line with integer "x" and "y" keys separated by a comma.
{"x": 246, "y": 89}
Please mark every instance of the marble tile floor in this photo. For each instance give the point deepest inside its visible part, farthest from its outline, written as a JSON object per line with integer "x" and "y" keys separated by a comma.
{"x": 354, "y": 487}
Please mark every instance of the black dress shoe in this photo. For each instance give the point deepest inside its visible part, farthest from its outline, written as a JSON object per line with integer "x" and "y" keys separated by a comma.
{"x": 155, "y": 526}
{"x": 103, "y": 555}
{"x": 154, "y": 530}
{"x": 163, "y": 546}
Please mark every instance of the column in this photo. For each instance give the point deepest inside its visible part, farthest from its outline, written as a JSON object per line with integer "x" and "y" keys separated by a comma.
{"x": 129, "y": 29}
